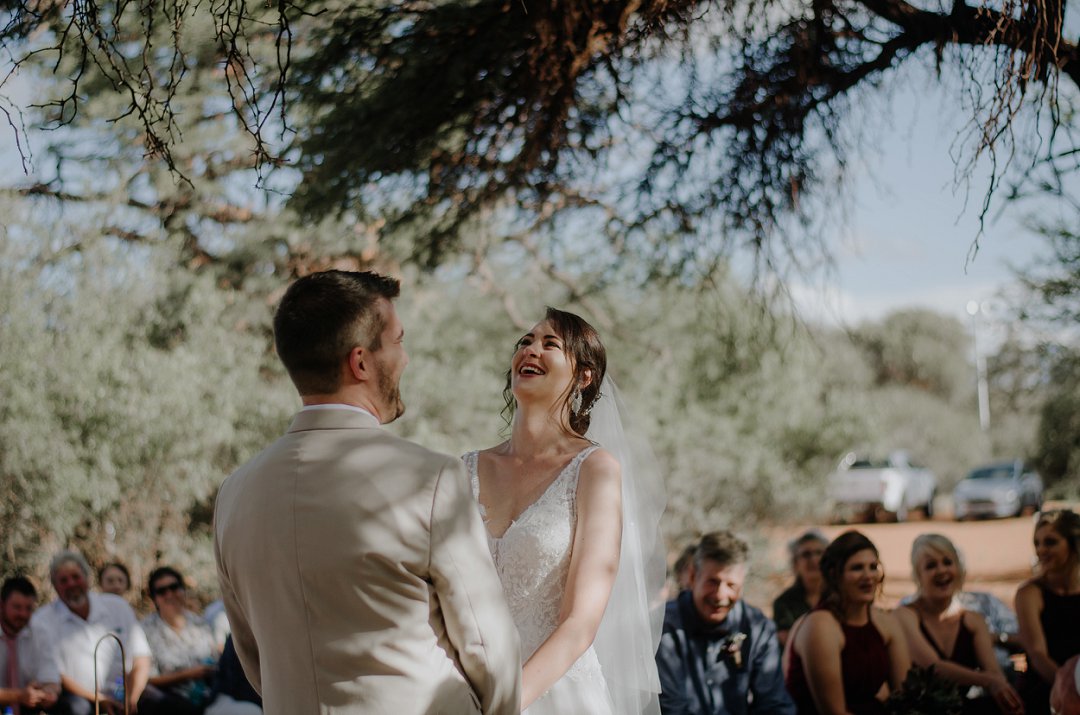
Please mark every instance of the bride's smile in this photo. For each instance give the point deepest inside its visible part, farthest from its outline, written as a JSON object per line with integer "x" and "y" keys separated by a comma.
{"x": 540, "y": 366}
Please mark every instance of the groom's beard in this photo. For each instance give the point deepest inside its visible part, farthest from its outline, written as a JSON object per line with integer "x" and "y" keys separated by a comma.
{"x": 390, "y": 391}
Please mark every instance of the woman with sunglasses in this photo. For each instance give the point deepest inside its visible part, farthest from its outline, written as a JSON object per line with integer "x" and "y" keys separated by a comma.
{"x": 184, "y": 649}
{"x": 182, "y": 644}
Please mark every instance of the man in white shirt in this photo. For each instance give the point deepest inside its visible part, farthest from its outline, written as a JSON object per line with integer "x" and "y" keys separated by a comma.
{"x": 79, "y": 623}
{"x": 29, "y": 679}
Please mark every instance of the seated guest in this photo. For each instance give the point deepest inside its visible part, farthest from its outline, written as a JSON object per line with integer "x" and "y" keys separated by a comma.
{"x": 1047, "y": 606}
{"x": 75, "y": 624}
{"x": 114, "y": 578}
{"x": 942, "y": 633}
{"x": 1000, "y": 620}
{"x": 28, "y": 676}
{"x": 182, "y": 644}
{"x": 1065, "y": 694}
{"x": 803, "y": 595}
{"x": 846, "y": 655}
{"x": 718, "y": 654}
{"x": 214, "y": 614}
{"x": 235, "y": 696}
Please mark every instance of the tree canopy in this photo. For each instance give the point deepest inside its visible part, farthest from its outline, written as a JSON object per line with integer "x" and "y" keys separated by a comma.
{"x": 676, "y": 130}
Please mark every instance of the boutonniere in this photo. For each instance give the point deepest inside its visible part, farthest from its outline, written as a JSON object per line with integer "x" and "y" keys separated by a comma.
{"x": 731, "y": 648}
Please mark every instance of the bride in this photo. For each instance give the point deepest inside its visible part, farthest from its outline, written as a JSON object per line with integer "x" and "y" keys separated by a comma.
{"x": 573, "y": 528}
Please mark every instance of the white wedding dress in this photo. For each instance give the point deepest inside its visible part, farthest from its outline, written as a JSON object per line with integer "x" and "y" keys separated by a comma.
{"x": 533, "y": 560}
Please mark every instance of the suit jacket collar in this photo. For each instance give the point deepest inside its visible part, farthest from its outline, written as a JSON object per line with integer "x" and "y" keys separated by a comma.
{"x": 331, "y": 419}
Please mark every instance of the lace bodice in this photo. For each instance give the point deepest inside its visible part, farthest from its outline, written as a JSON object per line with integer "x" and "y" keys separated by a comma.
{"x": 533, "y": 559}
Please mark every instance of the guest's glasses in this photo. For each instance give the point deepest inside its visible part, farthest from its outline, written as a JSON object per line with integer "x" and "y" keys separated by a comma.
{"x": 168, "y": 588}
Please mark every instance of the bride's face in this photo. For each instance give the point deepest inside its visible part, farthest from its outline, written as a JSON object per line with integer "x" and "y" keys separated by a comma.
{"x": 541, "y": 370}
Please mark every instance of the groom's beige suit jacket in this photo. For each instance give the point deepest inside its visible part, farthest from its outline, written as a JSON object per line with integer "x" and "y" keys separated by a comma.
{"x": 356, "y": 577}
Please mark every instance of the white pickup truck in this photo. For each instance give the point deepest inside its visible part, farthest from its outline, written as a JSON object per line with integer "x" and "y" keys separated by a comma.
{"x": 890, "y": 487}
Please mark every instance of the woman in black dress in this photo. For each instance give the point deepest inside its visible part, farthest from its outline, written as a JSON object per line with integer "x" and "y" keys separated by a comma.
{"x": 1048, "y": 606}
{"x": 943, "y": 634}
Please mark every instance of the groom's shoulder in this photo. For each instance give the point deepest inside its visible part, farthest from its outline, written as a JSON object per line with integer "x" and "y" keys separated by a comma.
{"x": 393, "y": 452}
{"x": 416, "y": 452}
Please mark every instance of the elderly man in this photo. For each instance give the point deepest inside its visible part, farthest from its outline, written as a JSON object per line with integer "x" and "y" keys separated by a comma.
{"x": 76, "y": 623}
{"x": 29, "y": 680}
{"x": 719, "y": 655}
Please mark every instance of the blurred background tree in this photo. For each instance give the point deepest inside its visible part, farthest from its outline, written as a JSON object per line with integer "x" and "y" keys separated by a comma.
{"x": 135, "y": 387}
{"x": 130, "y": 388}
{"x": 1058, "y": 447}
{"x": 1051, "y": 305}
{"x": 497, "y": 160}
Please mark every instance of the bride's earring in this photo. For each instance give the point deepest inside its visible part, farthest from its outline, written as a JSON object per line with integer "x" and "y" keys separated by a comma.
{"x": 592, "y": 404}
{"x": 575, "y": 402}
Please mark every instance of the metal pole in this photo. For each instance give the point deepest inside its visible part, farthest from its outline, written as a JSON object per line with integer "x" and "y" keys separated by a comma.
{"x": 123, "y": 670}
{"x": 982, "y": 386}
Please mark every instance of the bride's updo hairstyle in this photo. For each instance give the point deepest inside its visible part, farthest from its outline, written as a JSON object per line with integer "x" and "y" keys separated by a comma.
{"x": 582, "y": 343}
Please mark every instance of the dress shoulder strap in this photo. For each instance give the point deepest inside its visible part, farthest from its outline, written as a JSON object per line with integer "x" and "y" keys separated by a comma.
{"x": 471, "y": 460}
{"x": 573, "y": 470}
{"x": 930, "y": 638}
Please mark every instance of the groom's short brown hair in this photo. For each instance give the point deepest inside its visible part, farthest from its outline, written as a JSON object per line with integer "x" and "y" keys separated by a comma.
{"x": 323, "y": 316}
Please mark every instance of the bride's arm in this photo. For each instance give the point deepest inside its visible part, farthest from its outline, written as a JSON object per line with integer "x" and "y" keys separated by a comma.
{"x": 593, "y": 565}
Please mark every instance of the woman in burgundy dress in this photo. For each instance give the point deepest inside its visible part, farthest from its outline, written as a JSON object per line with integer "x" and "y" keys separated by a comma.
{"x": 1048, "y": 606}
{"x": 846, "y": 655}
{"x": 943, "y": 634}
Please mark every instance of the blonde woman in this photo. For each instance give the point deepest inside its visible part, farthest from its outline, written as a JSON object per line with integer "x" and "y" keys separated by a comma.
{"x": 941, "y": 633}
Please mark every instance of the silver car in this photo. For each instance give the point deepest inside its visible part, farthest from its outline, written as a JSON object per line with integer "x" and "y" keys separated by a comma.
{"x": 881, "y": 488}
{"x": 998, "y": 490}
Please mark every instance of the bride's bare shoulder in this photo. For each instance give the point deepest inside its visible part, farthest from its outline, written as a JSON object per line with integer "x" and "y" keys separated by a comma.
{"x": 491, "y": 461}
{"x": 493, "y": 452}
{"x": 601, "y": 463}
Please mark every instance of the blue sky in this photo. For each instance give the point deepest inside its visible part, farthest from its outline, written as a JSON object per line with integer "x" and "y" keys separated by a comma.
{"x": 912, "y": 225}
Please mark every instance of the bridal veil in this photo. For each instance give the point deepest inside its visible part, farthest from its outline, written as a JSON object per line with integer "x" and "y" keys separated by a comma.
{"x": 629, "y": 633}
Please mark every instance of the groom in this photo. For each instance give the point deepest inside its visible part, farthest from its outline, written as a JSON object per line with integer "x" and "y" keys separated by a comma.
{"x": 353, "y": 563}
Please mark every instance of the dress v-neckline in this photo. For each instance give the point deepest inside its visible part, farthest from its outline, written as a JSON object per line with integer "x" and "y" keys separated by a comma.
{"x": 933, "y": 641}
{"x": 543, "y": 495}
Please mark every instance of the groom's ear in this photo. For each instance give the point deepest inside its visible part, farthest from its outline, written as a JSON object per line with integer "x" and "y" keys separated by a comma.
{"x": 357, "y": 364}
